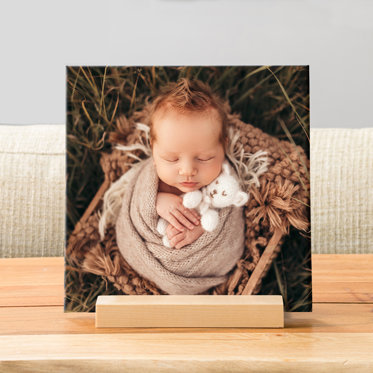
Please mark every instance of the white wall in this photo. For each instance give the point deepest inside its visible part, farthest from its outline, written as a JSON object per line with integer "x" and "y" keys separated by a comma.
{"x": 334, "y": 37}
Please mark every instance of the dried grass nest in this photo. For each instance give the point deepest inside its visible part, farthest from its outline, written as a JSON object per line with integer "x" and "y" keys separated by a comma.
{"x": 278, "y": 202}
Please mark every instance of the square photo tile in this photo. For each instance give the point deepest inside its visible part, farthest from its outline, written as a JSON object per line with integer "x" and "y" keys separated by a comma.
{"x": 188, "y": 180}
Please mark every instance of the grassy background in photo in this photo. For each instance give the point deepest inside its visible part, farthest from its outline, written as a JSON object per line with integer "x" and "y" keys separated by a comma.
{"x": 273, "y": 98}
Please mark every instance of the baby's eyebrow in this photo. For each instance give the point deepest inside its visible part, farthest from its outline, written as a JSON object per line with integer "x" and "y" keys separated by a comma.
{"x": 207, "y": 153}
{"x": 169, "y": 153}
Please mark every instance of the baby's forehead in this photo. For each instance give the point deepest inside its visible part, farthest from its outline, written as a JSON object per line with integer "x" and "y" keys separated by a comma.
{"x": 181, "y": 145}
{"x": 181, "y": 121}
{"x": 196, "y": 131}
{"x": 167, "y": 110}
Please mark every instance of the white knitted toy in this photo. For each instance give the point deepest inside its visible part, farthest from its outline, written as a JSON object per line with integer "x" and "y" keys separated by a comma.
{"x": 224, "y": 191}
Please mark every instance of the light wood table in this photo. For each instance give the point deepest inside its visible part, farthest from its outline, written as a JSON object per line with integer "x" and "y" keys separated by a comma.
{"x": 36, "y": 335}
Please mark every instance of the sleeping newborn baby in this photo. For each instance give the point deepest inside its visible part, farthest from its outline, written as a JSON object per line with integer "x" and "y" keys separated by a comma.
{"x": 221, "y": 192}
{"x": 188, "y": 138}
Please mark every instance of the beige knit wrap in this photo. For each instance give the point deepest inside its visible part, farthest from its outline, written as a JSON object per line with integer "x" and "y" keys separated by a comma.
{"x": 192, "y": 269}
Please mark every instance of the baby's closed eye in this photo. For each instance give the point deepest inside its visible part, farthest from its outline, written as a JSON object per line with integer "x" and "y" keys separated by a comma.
{"x": 202, "y": 159}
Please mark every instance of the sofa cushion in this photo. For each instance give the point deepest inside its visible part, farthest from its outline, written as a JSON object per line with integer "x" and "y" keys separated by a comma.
{"x": 32, "y": 184}
{"x": 342, "y": 190}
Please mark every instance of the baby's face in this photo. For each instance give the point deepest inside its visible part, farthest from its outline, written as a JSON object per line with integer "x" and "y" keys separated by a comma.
{"x": 187, "y": 152}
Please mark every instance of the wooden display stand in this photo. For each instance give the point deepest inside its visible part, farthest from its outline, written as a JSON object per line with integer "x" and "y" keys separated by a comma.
{"x": 194, "y": 311}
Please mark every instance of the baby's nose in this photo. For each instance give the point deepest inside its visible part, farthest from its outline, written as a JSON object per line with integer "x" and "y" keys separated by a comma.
{"x": 187, "y": 169}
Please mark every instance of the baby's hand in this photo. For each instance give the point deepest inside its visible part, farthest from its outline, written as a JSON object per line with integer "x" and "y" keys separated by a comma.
{"x": 180, "y": 239}
{"x": 170, "y": 207}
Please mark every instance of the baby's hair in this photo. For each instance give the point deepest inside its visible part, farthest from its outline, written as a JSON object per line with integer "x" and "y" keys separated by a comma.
{"x": 188, "y": 95}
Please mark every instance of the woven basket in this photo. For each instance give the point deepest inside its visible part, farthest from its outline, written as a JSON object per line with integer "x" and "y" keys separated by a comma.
{"x": 279, "y": 203}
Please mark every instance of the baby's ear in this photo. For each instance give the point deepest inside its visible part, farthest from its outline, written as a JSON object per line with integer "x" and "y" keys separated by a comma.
{"x": 240, "y": 199}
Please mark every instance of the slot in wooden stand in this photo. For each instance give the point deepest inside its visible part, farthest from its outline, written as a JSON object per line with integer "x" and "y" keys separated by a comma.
{"x": 195, "y": 311}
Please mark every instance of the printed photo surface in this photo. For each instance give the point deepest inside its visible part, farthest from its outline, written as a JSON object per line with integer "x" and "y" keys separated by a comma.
{"x": 187, "y": 180}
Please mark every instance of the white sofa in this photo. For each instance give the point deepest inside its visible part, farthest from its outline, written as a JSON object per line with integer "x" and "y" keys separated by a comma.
{"x": 32, "y": 184}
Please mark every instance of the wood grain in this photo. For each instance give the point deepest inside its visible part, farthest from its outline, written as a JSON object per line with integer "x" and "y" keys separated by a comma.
{"x": 331, "y": 318}
{"x": 275, "y": 352}
{"x": 260, "y": 311}
{"x": 342, "y": 278}
{"x": 31, "y": 281}
{"x": 36, "y": 335}
{"x": 39, "y": 281}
